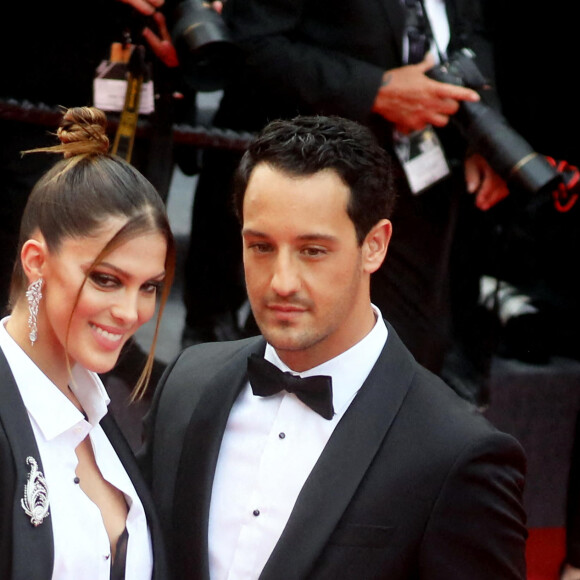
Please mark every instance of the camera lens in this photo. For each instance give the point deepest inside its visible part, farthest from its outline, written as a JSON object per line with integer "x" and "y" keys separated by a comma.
{"x": 203, "y": 44}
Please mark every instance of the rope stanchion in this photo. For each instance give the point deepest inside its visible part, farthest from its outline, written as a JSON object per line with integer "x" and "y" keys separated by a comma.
{"x": 183, "y": 134}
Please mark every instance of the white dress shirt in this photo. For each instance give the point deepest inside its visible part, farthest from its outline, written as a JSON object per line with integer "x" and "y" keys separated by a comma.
{"x": 437, "y": 14}
{"x": 269, "y": 448}
{"x": 81, "y": 543}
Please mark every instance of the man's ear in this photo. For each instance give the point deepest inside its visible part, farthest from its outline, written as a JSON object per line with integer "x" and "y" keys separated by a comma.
{"x": 375, "y": 245}
{"x": 33, "y": 257}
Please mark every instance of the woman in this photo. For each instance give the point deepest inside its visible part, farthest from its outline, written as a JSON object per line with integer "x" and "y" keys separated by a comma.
{"x": 95, "y": 251}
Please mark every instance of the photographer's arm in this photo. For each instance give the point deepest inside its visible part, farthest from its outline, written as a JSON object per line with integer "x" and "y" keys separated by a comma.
{"x": 411, "y": 100}
{"x": 288, "y": 57}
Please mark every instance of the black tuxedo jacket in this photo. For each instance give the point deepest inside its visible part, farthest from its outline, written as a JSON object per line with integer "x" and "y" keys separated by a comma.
{"x": 413, "y": 484}
{"x": 27, "y": 552}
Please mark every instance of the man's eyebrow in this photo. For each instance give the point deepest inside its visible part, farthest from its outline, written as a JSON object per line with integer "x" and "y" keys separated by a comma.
{"x": 304, "y": 237}
{"x": 254, "y": 233}
{"x": 318, "y": 237}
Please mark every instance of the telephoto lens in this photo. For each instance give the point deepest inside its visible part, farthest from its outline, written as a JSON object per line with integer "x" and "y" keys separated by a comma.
{"x": 489, "y": 134}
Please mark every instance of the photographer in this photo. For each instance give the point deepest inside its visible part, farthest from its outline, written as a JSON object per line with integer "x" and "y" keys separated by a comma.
{"x": 349, "y": 60}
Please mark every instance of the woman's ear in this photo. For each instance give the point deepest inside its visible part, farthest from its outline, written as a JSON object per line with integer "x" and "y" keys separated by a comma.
{"x": 33, "y": 257}
{"x": 376, "y": 244}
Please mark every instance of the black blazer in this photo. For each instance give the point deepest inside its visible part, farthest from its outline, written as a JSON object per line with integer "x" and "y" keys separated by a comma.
{"x": 27, "y": 552}
{"x": 413, "y": 483}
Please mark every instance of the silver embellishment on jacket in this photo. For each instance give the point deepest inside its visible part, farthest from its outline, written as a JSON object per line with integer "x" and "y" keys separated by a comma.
{"x": 35, "y": 501}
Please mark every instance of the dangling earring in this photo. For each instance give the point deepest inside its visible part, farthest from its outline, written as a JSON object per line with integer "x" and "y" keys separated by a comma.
{"x": 33, "y": 295}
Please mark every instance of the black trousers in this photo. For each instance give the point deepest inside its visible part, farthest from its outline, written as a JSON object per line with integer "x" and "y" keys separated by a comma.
{"x": 414, "y": 286}
{"x": 213, "y": 277}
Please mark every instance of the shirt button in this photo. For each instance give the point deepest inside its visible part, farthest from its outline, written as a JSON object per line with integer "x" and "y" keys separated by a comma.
{"x": 256, "y": 513}
{"x": 106, "y": 556}
{"x": 282, "y": 435}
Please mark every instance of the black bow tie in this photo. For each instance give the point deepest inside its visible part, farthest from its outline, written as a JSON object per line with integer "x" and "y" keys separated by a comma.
{"x": 267, "y": 379}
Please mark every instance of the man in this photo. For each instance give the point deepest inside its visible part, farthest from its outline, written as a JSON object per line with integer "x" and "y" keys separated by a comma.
{"x": 396, "y": 477}
{"x": 352, "y": 59}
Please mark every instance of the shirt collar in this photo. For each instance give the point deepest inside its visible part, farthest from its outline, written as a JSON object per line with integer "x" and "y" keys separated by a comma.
{"x": 349, "y": 369}
{"x": 52, "y": 411}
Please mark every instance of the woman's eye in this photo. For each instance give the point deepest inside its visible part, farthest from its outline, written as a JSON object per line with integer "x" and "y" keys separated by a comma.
{"x": 152, "y": 287}
{"x": 104, "y": 280}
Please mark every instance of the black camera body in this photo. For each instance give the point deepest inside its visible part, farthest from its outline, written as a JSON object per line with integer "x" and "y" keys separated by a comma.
{"x": 206, "y": 52}
{"x": 488, "y": 133}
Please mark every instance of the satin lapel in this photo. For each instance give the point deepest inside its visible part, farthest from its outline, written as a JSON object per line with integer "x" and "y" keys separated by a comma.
{"x": 198, "y": 461}
{"x": 33, "y": 547}
{"x": 342, "y": 465}
{"x": 125, "y": 454}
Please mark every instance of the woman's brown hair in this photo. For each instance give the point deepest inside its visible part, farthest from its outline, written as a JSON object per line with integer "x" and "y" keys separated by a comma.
{"x": 82, "y": 191}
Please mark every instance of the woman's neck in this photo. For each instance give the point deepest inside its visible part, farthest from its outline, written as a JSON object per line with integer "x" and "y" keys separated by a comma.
{"x": 49, "y": 358}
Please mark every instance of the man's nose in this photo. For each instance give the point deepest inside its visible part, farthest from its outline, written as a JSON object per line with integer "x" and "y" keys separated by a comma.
{"x": 286, "y": 275}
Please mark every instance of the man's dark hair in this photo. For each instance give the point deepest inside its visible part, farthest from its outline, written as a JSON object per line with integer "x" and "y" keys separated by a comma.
{"x": 306, "y": 145}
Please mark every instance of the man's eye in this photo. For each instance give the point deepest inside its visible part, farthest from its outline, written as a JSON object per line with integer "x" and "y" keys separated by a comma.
{"x": 259, "y": 248}
{"x": 314, "y": 252}
{"x": 104, "y": 280}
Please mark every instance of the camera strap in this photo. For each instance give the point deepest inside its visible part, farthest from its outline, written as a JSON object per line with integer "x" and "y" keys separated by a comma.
{"x": 420, "y": 153}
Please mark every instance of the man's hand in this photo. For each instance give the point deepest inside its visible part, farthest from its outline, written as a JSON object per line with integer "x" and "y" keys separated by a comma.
{"x": 147, "y": 7}
{"x": 411, "y": 100}
{"x": 489, "y": 188}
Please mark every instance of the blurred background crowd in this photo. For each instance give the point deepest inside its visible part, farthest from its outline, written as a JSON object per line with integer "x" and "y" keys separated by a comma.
{"x": 482, "y": 263}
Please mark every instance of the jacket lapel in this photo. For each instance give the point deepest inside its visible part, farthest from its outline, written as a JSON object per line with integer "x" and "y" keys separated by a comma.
{"x": 198, "y": 461}
{"x": 342, "y": 465}
{"x": 129, "y": 462}
{"x": 395, "y": 18}
{"x": 33, "y": 547}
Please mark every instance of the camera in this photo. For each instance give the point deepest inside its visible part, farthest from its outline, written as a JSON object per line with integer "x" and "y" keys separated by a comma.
{"x": 202, "y": 40}
{"x": 487, "y": 132}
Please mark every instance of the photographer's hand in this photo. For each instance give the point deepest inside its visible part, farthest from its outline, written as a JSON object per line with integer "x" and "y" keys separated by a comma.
{"x": 147, "y": 7}
{"x": 411, "y": 100}
{"x": 482, "y": 181}
{"x": 161, "y": 43}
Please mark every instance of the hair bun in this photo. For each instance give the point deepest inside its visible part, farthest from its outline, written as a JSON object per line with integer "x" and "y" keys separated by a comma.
{"x": 83, "y": 130}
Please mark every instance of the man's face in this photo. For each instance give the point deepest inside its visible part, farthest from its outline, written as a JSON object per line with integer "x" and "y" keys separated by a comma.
{"x": 307, "y": 278}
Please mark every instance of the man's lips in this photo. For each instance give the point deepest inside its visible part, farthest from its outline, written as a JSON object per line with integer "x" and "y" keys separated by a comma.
{"x": 286, "y": 311}
{"x": 286, "y": 307}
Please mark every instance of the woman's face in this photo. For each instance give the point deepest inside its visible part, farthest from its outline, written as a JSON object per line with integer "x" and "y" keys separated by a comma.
{"x": 117, "y": 297}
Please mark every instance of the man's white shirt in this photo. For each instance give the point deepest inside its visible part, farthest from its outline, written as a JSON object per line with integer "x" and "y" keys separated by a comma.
{"x": 269, "y": 448}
